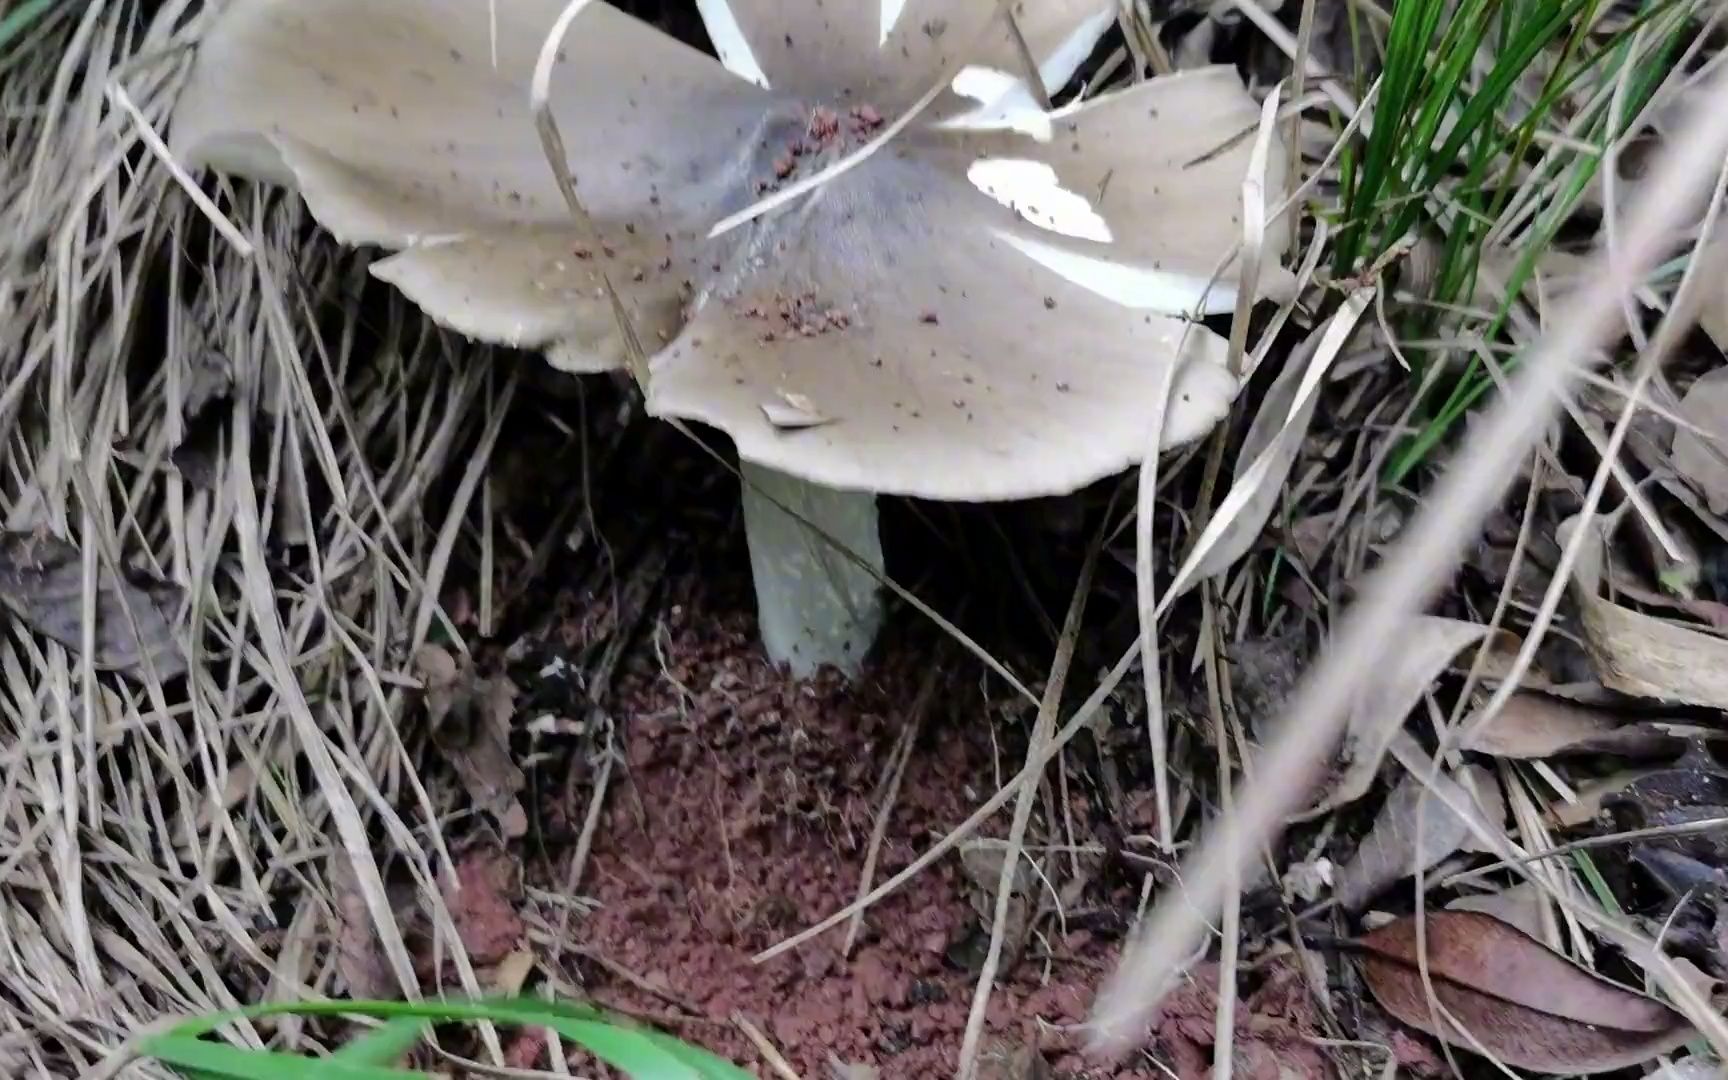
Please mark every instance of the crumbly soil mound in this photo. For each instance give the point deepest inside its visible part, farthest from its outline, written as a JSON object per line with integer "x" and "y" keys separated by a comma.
{"x": 746, "y": 816}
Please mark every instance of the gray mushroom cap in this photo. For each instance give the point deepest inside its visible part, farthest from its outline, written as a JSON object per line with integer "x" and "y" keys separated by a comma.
{"x": 984, "y": 308}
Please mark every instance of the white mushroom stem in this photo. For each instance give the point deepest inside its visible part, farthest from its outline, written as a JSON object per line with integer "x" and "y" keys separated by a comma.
{"x": 815, "y": 605}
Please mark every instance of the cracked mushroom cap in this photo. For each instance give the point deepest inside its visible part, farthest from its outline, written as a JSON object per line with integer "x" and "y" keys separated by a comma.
{"x": 986, "y": 307}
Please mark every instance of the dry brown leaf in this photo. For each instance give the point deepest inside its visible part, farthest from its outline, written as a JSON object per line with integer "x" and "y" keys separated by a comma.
{"x": 1390, "y": 852}
{"x": 471, "y": 720}
{"x": 1499, "y": 656}
{"x": 1520, "y": 1001}
{"x": 1519, "y": 905}
{"x": 1431, "y": 642}
{"x": 1703, "y": 462}
{"x": 358, "y": 958}
{"x": 982, "y": 864}
{"x": 42, "y": 579}
{"x": 1533, "y": 725}
{"x": 1567, "y": 815}
{"x": 1639, "y": 654}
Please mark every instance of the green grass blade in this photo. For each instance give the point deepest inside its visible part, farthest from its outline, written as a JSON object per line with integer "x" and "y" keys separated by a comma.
{"x": 385, "y": 1044}
{"x": 580, "y": 1026}
{"x": 642, "y": 1053}
{"x": 20, "y": 18}
{"x": 220, "y": 1060}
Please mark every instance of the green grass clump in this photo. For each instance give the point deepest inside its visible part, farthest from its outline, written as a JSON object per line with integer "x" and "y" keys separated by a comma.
{"x": 1451, "y": 145}
{"x": 642, "y": 1053}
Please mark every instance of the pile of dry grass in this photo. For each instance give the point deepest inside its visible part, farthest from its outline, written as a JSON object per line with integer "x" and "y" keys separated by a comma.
{"x": 238, "y": 411}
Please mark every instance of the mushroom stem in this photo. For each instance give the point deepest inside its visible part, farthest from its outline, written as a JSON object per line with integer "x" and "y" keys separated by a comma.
{"x": 815, "y": 605}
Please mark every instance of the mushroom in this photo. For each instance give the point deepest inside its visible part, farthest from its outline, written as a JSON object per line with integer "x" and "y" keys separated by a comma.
{"x": 982, "y": 308}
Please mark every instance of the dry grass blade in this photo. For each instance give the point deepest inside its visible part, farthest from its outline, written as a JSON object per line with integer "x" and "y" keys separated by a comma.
{"x": 1042, "y": 730}
{"x": 1413, "y": 570}
{"x": 1239, "y": 519}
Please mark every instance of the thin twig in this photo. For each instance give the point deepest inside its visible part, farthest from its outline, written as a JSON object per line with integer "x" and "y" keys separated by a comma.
{"x": 889, "y": 792}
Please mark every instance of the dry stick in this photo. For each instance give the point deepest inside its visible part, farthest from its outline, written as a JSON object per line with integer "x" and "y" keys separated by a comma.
{"x": 890, "y": 789}
{"x": 1034, "y": 78}
{"x": 1224, "y": 1022}
{"x": 775, "y": 1061}
{"x": 591, "y": 821}
{"x": 1041, "y": 730}
{"x": 120, "y": 98}
{"x": 1157, "y": 727}
{"x": 1408, "y": 579}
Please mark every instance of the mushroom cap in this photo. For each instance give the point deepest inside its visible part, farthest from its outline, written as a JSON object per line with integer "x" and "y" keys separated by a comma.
{"x": 891, "y": 51}
{"x": 398, "y": 129}
{"x": 986, "y": 307}
{"x": 903, "y": 331}
{"x": 435, "y": 138}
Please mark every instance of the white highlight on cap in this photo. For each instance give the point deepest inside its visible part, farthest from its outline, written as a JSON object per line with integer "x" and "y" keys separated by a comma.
{"x": 891, "y": 11}
{"x": 730, "y": 42}
{"x": 1136, "y": 287}
{"x": 1034, "y": 191}
{"x": 1004, "y": 103}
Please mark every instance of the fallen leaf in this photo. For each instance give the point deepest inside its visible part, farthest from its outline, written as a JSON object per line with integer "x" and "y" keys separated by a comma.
{"x": 1264, "y": 672}
{"x": 1535, "y": 725}
{"x": 1269, "y": 450}
{"x": 1521, "y": 906}
{"x": 1390, "y": 852}
{"x": 1693, "y": 788}
{"x": 1689, "y": 1068}
{"x": 1500, "y": 652}
{"x": 1430, "y": 643}
{"x": 1520, "y": 1001}
{"x": 982, "y": 864}
{"x": 358, "y": 958}
{"x": 471, "y": 720}
{"x": 1703, "y": 462}
{"x": 42, "y": 579}
{"x": 1591, "y": 796}
{"x": 1639, "y": 654}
